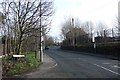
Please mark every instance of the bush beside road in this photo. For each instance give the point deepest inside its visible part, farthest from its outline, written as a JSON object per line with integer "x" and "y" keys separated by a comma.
{"x": 12, "y": 67}
{"x": 108, "y": 49}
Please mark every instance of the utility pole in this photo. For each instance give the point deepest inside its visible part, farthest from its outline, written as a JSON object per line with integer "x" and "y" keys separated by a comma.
{"x": 40, "y": 42}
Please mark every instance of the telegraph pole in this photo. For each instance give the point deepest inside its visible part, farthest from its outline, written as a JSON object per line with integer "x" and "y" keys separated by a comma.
{"x": 40, "y": 42}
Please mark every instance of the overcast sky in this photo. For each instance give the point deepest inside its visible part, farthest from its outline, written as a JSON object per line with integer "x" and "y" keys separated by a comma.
{"x": 86, "y": 10}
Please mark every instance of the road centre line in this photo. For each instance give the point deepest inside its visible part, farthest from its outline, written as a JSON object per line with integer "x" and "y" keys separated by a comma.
{"x": 106, "y": 69}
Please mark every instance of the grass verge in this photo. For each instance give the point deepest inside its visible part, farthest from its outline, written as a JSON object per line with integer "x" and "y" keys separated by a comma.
{"x": 12, "y": 67}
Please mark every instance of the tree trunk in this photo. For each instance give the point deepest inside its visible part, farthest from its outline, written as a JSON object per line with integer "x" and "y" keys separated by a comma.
{"x": 19, "y": 45}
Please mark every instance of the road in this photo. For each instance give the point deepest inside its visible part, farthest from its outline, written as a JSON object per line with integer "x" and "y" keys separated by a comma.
{"x": 74, "y": 65}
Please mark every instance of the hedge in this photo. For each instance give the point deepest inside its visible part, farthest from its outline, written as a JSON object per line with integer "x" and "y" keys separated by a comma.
{"x": 112, "y": 49}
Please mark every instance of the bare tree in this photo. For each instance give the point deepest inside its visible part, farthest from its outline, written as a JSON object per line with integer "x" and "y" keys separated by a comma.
{"x": 102, "y": 32}
{"x": 48, "y": 40}
{"x": 66, "y": 26}
{"x": 24, "y": 17}
{"x": 101, "y": 29}
{"x": 88, "y": 28}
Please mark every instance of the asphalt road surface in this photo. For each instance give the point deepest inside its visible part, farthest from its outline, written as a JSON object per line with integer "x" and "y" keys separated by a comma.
{"x": 74, "y": 65}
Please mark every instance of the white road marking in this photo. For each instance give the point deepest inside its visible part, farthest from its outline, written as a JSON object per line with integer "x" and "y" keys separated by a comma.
{"x": 107, "y": 69}
{"x": 116, "y": 66}
{"x": 53, "y": 66}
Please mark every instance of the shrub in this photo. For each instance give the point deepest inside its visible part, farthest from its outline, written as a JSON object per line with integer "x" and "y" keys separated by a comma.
{"x": 12, "y": 67}
{"x": 112, "y": 49}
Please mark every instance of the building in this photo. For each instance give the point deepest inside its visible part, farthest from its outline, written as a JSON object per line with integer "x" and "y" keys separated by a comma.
{"x": 76, "y": 36}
